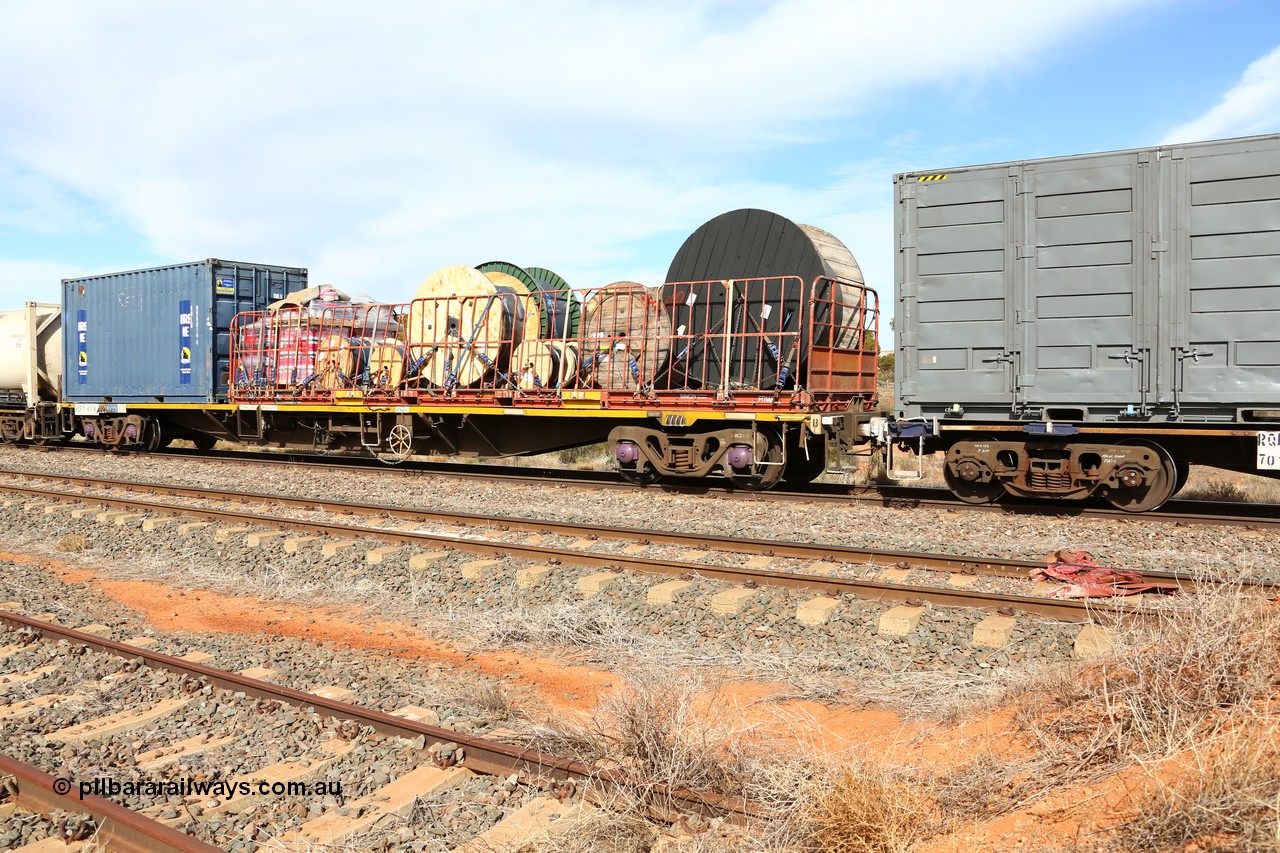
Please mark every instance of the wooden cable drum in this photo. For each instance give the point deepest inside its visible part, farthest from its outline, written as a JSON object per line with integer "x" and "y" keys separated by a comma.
{"x": 457, "y": 326}
{"x": 626, "y": 336}
{"x": 538, "y": 365}
{"x": 519, "y": 279}
{"x": 523, "y": 306}
{"x": 386, "y": 364}
{"x": 749, "y": 326}
{"x": 562, "y": 304}
{"x": 335, "y": 363}
{"x": 846, "y": 300}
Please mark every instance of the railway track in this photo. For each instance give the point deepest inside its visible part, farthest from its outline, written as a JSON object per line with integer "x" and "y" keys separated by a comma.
{"x": 439, "y": 761}
{"x": 110, "y": 825}
{"x": 1249, "y": 516}
{"x": 828, "y": 571}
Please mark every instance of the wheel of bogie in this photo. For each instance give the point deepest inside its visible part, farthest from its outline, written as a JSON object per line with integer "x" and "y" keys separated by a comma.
{"x": 972, "y": 492}
{"x": 1184, "y": 474}
{"x": 805, "y": 464}
{"x": 155, "y": 436}
{"x": 766, "y": 475}
{"x": 1161, "y": 488}
{"x": 399, "y": 445}
{"x": 203, "y": 442}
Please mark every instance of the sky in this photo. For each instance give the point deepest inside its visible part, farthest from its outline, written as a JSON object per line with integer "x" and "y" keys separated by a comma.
{"x": 374, "y": 143}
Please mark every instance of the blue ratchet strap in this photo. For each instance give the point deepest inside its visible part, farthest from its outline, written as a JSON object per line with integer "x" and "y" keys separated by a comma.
{"x": 450, "y": 378}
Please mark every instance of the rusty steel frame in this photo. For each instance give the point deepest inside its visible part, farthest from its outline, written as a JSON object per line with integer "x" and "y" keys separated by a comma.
{"x": 482, "y": 755}
{"x": 118, "y": 829}
{"x": 1061, "y": 609}
{"x": 840, "y": 376}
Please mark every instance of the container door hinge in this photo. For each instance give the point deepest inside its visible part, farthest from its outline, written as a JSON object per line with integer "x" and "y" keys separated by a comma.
{"x": 1025, "y": 315}
{"x": 1026, "y": 252}
{"x": 907, "y": 241}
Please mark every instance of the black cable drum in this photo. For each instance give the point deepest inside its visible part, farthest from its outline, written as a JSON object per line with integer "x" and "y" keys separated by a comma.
{"x": 735, "y": 330}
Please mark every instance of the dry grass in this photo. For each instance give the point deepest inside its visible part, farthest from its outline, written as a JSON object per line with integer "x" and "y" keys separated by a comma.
{"x": 668, "y": 729}
{"x": 563, "y": 625}
{"x": 1213, "y": 484}
{"x": 1167, "y": 685}
{"x": 1222, "y": 796}
{"x": 866, "y": 808}
{"x": 73, "y": 543}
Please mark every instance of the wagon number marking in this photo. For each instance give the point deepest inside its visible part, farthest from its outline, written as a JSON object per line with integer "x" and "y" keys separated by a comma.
{"x": 1269, "y": 451}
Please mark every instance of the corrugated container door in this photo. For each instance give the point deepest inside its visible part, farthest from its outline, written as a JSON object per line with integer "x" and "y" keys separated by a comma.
{"x": 138, "y": 335}
{"x": 954, "y": 314}
{"x": 1087, "y": 304}
{"x": 241, "y": 288}
{"x": 1224, "y": 341}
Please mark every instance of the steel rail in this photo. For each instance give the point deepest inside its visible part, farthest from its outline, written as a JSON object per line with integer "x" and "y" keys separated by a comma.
{"x": 1062, "y": 609}
{"x": 881, "y": 558}
{"x": 1181, "y": 512}
{"x": 118, "y": 829}
{"x": 483, "y": 755}
{"x": 876, "y": 557}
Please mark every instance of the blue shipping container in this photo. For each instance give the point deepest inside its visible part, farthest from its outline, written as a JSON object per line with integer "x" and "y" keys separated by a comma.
{"x": 161, "y": 334}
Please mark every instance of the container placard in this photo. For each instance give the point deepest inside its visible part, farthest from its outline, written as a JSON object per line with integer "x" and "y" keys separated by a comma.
{"x": 224, "y": 286}
{"x": 90, "y": 409}
{"x": 184, "y": 342}
{"x": 1269, "y": 451}
{"x": 82, "y": 346}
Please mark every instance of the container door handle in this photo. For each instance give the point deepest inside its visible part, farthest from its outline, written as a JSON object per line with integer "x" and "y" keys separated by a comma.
{"x": 1130, "y": 356}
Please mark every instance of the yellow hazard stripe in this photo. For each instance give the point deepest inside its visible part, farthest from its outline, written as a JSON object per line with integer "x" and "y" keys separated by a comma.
{"x": 923, "y": 178}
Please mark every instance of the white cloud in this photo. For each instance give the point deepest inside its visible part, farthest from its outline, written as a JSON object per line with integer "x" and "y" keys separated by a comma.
{"x": 376, "y": 145}
{"x": 34, "y": 281}
{"x": 1251, "y": 106}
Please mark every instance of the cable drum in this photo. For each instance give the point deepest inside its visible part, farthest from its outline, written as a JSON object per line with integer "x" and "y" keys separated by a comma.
{"x": 336, "y": 362}
{"x": 626, "y": 336}
{"x": 458, "y": 325}
{"x": 746, "y": 321}
{"x": 387, "y": 359}
{"x": 557, "y": 311}
{"x": 846, "y": 301}
{"x": 564, "y": 311}
{"x": 539, "y": 365}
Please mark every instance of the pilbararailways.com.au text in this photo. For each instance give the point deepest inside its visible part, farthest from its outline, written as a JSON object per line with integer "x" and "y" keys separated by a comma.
{"x": 221, "y": 789}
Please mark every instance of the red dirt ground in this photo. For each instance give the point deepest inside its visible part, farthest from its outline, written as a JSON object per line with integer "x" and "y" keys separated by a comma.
{"x": 1052, "y": 822}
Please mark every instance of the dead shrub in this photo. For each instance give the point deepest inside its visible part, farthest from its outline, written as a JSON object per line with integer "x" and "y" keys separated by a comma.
{"x": 666, "y": 730}
{"x": 569, "y": 624}
{"x": 73, "y": 543}
{"x": 1221, "y": 491}
{"x": 866, "y": 809}
{"x": 1223, "y": 796}
{"x": 1167, "y": 683}
{"x": 988, "y": 785}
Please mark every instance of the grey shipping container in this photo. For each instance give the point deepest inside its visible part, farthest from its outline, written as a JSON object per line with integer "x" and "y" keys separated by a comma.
{"x": 1139, "y": 284}
{"x": 161, "y": 334}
